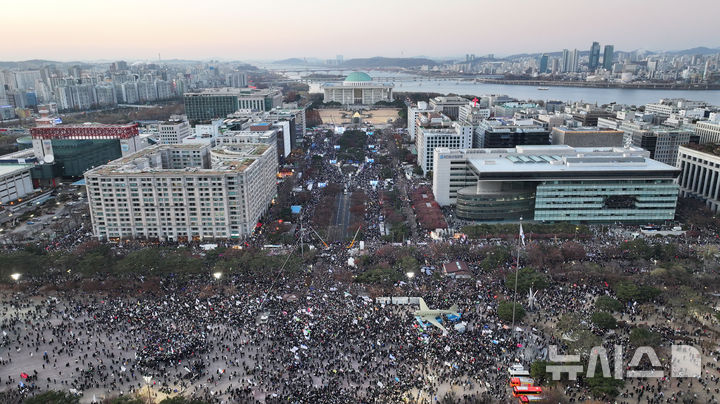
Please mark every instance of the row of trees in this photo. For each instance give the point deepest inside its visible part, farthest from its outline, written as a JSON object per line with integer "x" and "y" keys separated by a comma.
{"x": 61, "y": 397}
{"x": 93, "y": 259}
{"x": 387, "y": 266}
{"x": 537, "y": 230}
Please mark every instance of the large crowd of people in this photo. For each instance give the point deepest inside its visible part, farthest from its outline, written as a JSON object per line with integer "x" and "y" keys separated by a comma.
{"x": 272, "y": 340}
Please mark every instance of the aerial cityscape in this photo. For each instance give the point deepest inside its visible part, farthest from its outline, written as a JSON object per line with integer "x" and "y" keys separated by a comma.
{"x": 466, "y": 202}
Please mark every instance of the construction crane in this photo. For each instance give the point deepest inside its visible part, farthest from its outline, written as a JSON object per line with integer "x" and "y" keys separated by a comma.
{"x": 354, "y": 237}
{"x": 321, "y": 239}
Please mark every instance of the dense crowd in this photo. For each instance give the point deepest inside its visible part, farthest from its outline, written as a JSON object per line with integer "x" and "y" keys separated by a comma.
{"x": 272, "y": 340}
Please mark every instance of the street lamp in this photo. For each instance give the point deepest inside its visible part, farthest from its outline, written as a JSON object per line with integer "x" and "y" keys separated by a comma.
{"x": 217, "y": 275}
{"x": 15, "y": 276}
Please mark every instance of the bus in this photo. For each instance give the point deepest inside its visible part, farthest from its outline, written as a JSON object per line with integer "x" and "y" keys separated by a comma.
{"x": 517, "y": 370}
{"x": 530, "y": 399}
{"x": 521, "y": 381}
{"x": 527, "y": 391}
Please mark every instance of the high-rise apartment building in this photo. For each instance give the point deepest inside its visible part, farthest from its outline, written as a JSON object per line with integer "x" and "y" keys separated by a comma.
{"x": 183, "y": 192}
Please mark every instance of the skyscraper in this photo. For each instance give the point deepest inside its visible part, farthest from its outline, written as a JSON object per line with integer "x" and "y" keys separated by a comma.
{"x": 543, "y": 63}
{"x": 608, "y": 57}
{"x": 565, "y": 64}
{"x": 573, "y": 61}
{"x": 594, "y": 56}
{"x": 554, "y": 66}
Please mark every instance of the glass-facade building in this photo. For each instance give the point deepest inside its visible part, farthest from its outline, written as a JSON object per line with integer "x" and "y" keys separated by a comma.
{"x": 209, "y": 106}
{"x": 508, "y": 201}
{"x": 556, "y": 184}
{"x": 212, "y": 103}
{"x": 606, "y": 201}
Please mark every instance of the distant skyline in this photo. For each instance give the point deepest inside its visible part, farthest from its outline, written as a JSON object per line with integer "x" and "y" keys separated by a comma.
{"x": 278, "y": 29}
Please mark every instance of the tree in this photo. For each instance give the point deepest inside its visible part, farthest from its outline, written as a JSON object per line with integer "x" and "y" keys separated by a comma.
{"x": 607, "y": 303}
{"x": 182, "y": 400}
{"x": 628, "y": 292}
{"x": 505, "y": 311}
{"x": 379, "y": 275}
{"x": 641, "y": 336}
{"x": 604, "y": 320}
{"x": 124, "y": 400}
{"x": 526, "y": 278}
{"x": 577, "y": 335}
{"x": 604, "y": 387}
{"x": 538, "y": 371}
{"x": 407, "y": 264}
{"x": 495, "y": 257}
{"x": 572, "y": 251}
{"x": 53, "y": 397}
{"x": 543, "y": 255}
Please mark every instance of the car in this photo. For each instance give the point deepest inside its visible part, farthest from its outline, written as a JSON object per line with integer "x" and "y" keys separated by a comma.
{"x": 30, "y": 222}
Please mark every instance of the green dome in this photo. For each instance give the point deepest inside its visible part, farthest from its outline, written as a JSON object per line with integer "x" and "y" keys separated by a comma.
{"x": 358, "y": 76}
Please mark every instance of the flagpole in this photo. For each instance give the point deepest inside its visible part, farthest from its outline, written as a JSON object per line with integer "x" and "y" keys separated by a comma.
{"x": 517, "y": 269}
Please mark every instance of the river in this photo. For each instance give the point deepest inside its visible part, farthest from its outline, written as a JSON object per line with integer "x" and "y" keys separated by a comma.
{"x": 590, "y": 95}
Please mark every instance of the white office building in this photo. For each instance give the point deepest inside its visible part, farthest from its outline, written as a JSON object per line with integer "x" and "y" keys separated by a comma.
{"x": 15, "y": 182}
{"x": 708, "y": 131}
{"x": 412, "y": 115}
{"x": 471, "y": 114}
{"x": 661, "y": 141}
{"x": 428, "y": 139}
{"x": 173, "y": 132}
{"x": 237, "y": 79}
{"x": 700, "y": 174}
{"x": 183, "y": 192}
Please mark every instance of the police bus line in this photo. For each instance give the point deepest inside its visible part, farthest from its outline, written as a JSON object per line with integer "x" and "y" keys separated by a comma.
{"x": 523, "y": 386}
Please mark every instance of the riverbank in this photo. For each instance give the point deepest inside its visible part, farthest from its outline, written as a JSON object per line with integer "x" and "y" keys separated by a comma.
{"x": 603, "y": 84}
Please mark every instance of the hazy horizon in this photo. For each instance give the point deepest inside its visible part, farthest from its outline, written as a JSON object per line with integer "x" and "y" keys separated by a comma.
{"x": 81, "y": 30}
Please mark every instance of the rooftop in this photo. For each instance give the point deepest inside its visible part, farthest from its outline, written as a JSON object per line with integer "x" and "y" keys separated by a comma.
{"x": 358, "y": 76}
{"x": 232, "y": 159}
{"x": 7, "y": 169}
{"x": 561, "y": 158}
{"x": 449, "y": 99}
{"x": 86, "y": 125}
{"x": 232, "y": 91}
{"x": 708, "y": 148}
{"x": 586, "y": 129}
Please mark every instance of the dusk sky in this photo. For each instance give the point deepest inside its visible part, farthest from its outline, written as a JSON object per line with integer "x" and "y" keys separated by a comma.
{"x": 277, "y": 29}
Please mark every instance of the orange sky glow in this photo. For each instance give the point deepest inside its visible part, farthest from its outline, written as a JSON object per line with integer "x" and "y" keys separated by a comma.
{"x": 275, "y": 29}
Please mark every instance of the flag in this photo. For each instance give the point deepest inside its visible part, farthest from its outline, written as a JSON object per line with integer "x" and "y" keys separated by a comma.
{"x": 522, "y": 236}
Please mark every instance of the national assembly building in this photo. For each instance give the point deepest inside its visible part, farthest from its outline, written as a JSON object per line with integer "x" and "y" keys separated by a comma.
{"x": 555, "y": 184}
{"x": 358, "y": 88}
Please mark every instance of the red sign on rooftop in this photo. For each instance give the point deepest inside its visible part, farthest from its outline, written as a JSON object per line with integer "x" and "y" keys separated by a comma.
{"x": 85, "y": 132}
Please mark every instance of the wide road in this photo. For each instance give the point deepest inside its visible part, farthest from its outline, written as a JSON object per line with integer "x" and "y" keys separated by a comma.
{"x": 342, "y": 217}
